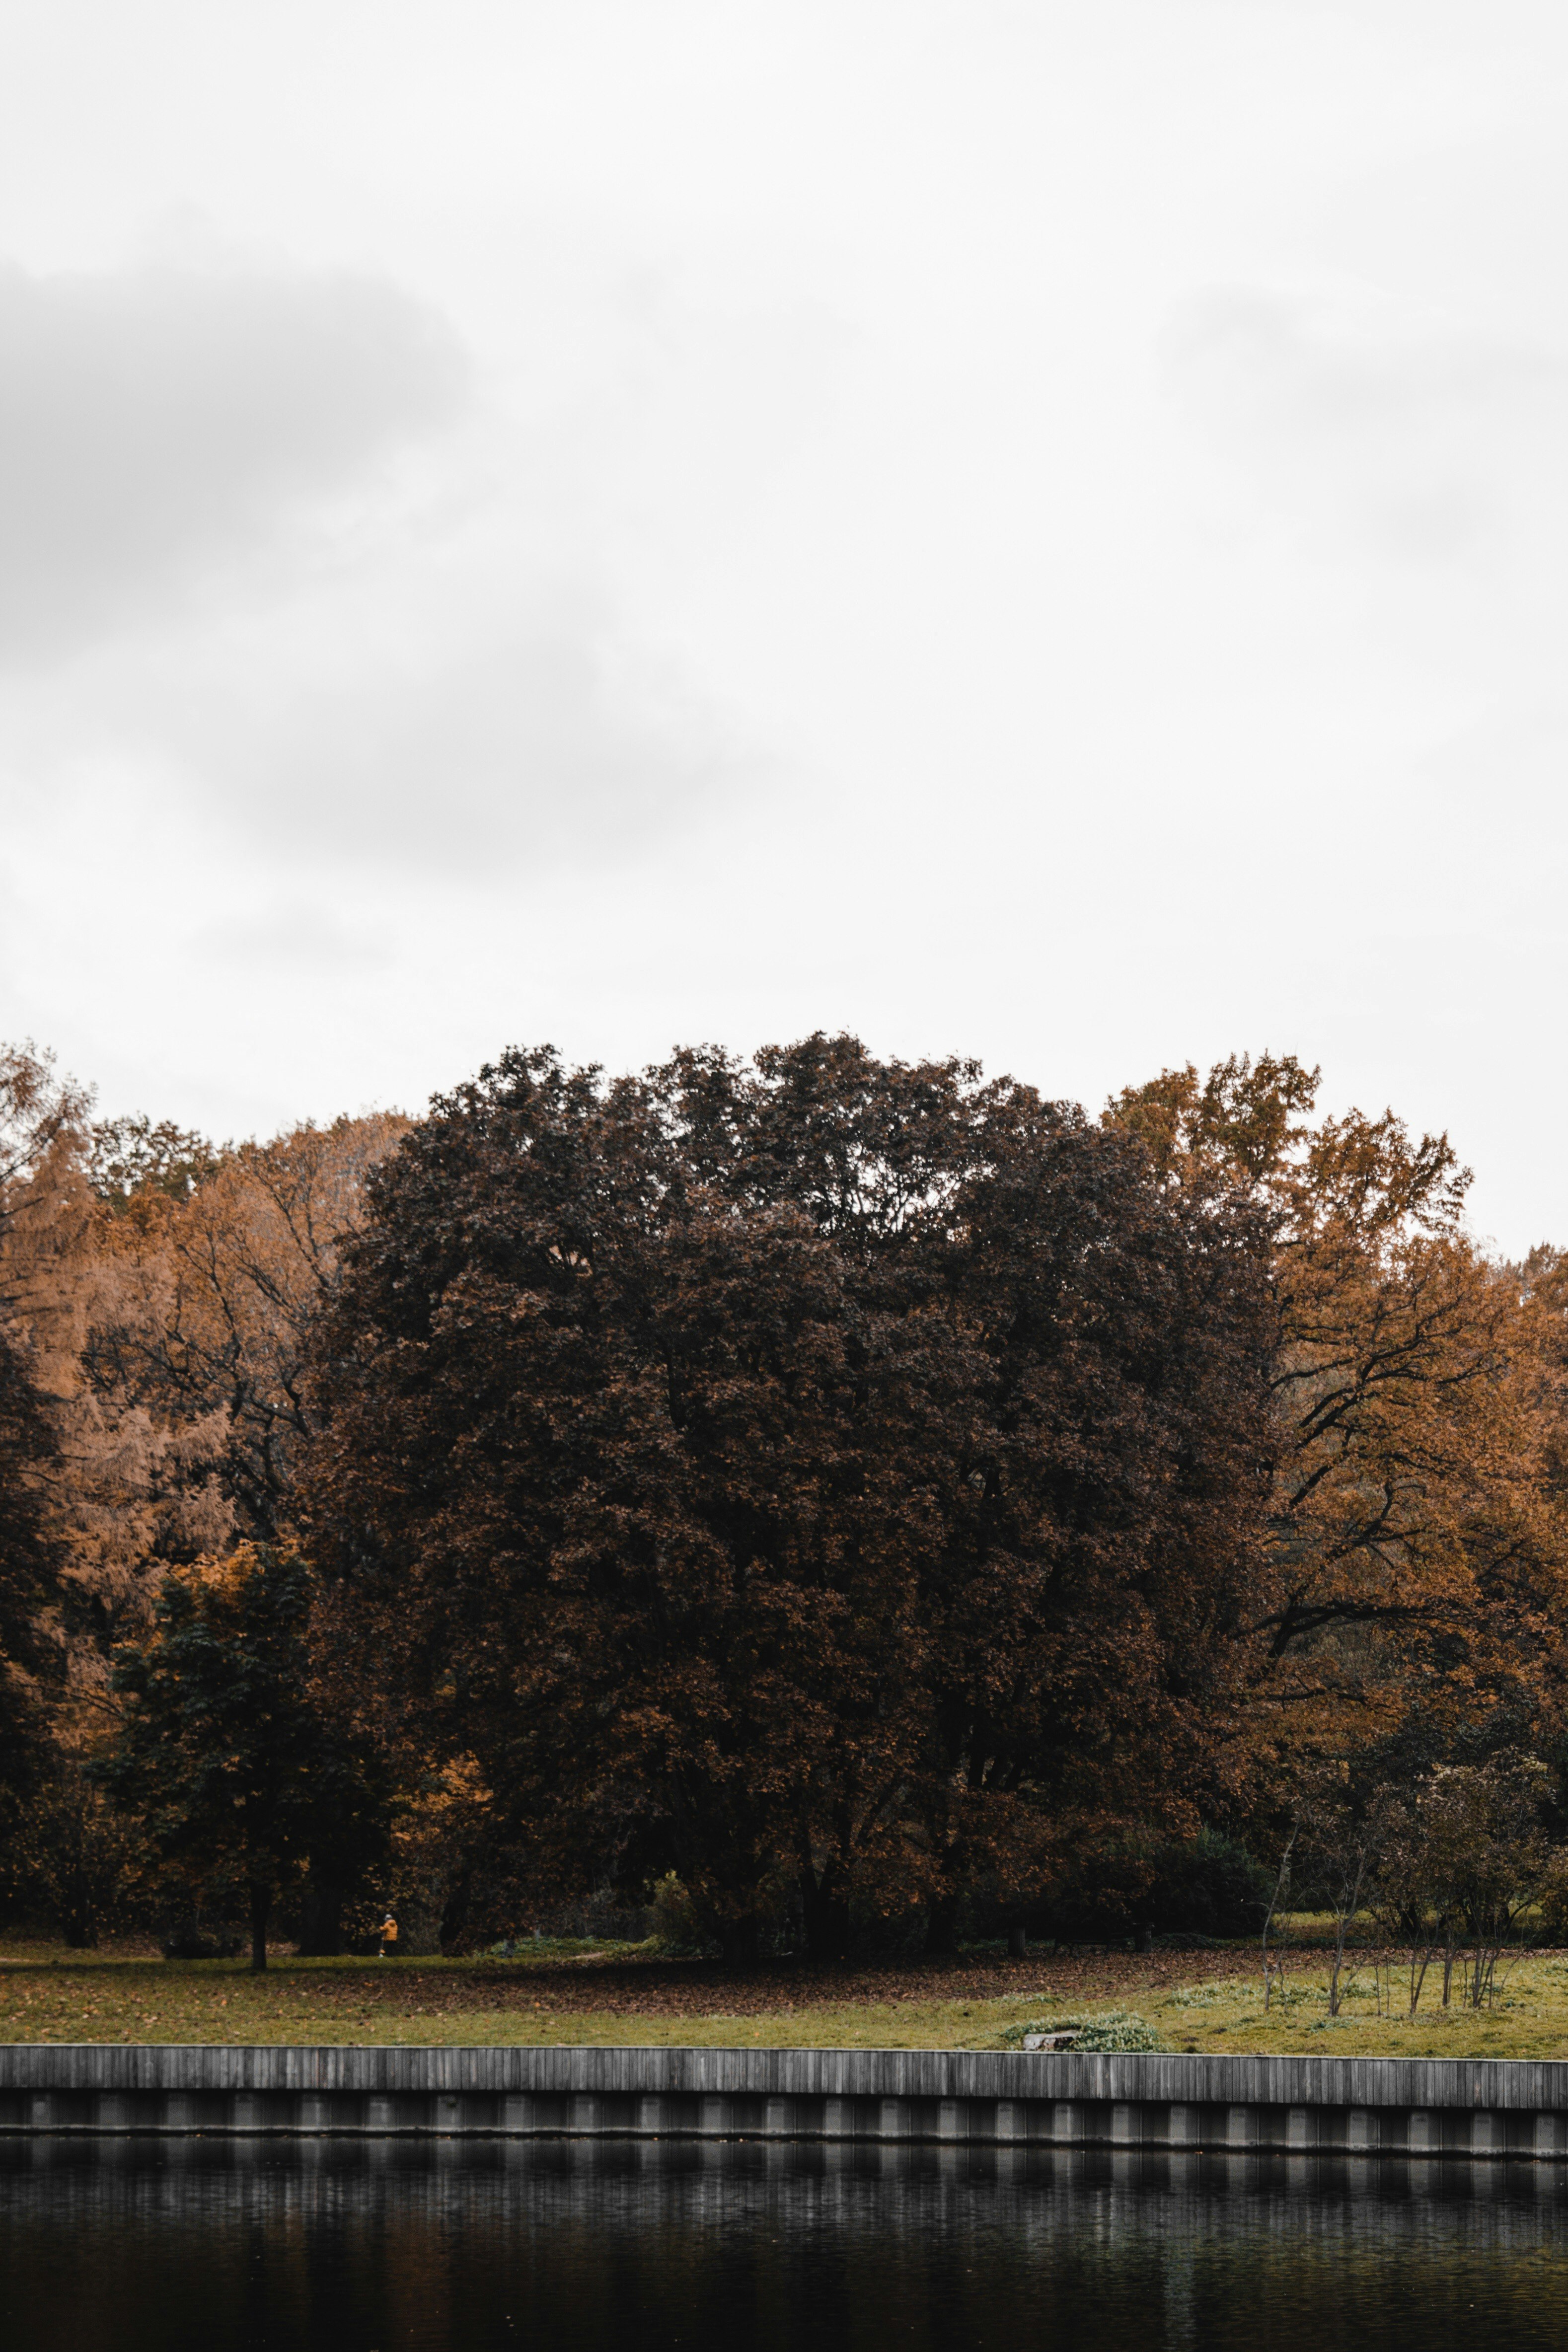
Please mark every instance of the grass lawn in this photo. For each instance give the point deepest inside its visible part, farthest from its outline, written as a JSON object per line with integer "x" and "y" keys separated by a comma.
{"x": 617, "y": 1993}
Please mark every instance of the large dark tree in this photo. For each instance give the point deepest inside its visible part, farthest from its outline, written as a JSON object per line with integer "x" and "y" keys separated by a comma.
{"x": 831, "y": 1479}
{"x": 28, "y": 1568}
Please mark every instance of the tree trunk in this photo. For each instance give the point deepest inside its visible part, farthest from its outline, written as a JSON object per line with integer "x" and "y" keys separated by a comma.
{"x": 1017, "y": 1941}
{"x": 260, "y": 1910}
{"x": 826, "y": 1916}
{"x": 941, "y": 1927}
{"x": 740, "y": 1941}
{"x": 455, "y": 1911}
{"x": 320, "y": 1918}
{"x": 80, "y": 1921}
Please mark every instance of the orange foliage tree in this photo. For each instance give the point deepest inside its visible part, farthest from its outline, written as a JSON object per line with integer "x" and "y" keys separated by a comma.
{"x": 1414, "y": 1547}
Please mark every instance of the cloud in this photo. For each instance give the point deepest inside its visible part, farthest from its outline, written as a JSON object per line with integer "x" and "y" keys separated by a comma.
{"x": 1424, "y": 439}
{"x": 450, "y": 728}
{"x": 302, "y": 937}
{"x": 159, "y": 427}
{"x": 306, "y": 638}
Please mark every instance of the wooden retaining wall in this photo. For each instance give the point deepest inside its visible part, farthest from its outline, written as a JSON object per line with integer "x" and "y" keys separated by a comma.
{"x": 1408, "y": 2106}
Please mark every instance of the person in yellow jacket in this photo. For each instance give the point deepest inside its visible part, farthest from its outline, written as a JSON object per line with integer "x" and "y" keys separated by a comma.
{"x": 388, "y": 1938}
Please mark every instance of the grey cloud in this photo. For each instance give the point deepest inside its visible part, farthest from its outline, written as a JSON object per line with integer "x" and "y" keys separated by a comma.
{"x": 306, "y": 937}
{"x": 1426, "y": 437}
{"x": 158, "y": 425}
{"x": 437, "y": 714}
{"x": 550, "y": 743}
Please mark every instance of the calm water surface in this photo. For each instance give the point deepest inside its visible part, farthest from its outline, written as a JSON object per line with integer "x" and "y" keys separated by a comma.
{"x": 387, "y": 2246}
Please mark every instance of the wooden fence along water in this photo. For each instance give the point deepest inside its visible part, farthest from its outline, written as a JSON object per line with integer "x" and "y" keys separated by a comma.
{"x": 1406, "y": 2106}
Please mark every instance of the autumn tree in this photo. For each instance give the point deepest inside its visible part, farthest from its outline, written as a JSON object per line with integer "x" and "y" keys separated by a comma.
{"x": 167, "y": 1316}
{"x": 42, "y": 1115}
{"x": 831, "y": 1479}
{"x": 213, "y": 1265}
{"x": 227, "y": 1751}
{"x": 120, "y": 1489}
{"x": 155, "y": 1293}
{"x": 131, "y": 1159}
{"x": 1414, "y": 1555}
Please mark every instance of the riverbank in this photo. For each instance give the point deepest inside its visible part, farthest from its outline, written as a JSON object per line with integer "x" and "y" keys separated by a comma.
{"x": 590, "y": 1995}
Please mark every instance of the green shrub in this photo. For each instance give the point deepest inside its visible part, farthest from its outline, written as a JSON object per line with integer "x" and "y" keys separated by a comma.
{"x": 1211, "y": 1887}
{"x": 1105, "y": 2029}
{"x": 1207, "y": 1888}
{"x": 675, "y": 1927}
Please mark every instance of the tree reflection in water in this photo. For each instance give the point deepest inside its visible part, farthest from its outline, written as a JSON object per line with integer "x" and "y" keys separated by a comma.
{"x": 451, "y": 2246}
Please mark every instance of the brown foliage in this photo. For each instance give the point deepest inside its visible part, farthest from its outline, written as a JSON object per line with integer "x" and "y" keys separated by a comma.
{"x": 852, "y": 1486}
{"x": 209, "y": 1294}
{"x": 154, "y": 1293}
{"x": 1415, "y": 1552}
{"x": 829, "y": 1479}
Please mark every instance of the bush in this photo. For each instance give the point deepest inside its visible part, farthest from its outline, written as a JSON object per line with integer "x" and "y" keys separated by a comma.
{"x": 75, "y": 1862}
{"x": 675, "y": 1927}
{"x": 1207, "y": 1887}
{"x": 1211, "y": 1887}
{"x": 1105, "y": 2028}
{"x": 1551, "y": 1901}
{"x": 191, "y": 1941}
{"x": 605, "y": 1915}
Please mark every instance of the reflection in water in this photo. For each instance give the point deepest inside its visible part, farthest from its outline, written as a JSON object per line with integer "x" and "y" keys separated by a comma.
{"x": 453, "y": 2246}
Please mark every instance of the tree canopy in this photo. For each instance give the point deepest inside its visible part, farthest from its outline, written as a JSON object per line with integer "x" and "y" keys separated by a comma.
{"x": 821, "y": 1477}
{"x": 881, "y": 1496}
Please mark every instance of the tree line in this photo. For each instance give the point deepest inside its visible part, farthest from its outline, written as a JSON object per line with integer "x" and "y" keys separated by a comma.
{"x": 866, "y": 1499}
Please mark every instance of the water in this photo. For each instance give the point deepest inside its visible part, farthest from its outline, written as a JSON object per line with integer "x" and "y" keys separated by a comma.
{"x": 399, "y": 2246}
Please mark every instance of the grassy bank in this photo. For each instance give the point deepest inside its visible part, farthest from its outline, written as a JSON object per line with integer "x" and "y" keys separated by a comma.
{"x": 595, "y": 1993}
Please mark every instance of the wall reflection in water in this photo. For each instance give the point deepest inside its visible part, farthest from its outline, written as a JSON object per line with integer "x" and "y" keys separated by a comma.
{"x": 450, "y": 2246}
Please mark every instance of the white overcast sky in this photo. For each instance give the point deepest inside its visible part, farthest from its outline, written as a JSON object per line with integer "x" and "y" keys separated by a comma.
{"x": 1032, "y": 529}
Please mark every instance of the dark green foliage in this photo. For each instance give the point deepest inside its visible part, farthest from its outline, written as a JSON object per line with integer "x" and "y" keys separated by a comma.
{"x": 1211, "y": 1887}
{"x": 239, "y": 1773}
{"x": 78, "y": 1863}
{"x": 1203, "y": 1887}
